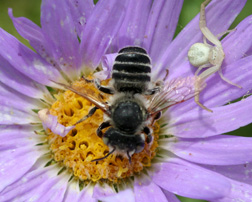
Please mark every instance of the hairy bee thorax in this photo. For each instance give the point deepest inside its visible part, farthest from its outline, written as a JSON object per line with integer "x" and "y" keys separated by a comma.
{"x": 128, "y": 112}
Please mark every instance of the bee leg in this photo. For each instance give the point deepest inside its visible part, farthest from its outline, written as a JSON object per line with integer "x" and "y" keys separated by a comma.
{"x": 152, "y": 91}
{"x": 104, "y": 89}
{"x": 158, "y": 115}
{"x": 90, "y": 113}
{"x": 101, "y": 127}
{"x": 159, "y": 85}
{"x": 97, "y": 83}
{"x": 87, "y": 80}
{"x": 129, "y": 156}
{"x": 166, "y": 75}
{"x": 148, "y": 132}
{"x": 105, "y": 155}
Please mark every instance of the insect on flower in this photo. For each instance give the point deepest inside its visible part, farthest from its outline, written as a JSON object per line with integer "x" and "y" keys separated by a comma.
{"x": 135, "y": 102}
{"x": 204, "y": 55}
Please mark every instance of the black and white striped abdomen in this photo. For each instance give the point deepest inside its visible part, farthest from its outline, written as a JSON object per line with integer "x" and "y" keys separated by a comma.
{"x": 131, "y": 70}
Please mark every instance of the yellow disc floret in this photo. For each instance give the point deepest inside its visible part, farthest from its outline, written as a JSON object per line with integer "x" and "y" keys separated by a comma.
{"x": 82, "y": 145}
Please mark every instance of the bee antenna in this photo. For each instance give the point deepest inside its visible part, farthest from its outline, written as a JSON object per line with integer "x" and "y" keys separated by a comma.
{"x": 105, "y": 155}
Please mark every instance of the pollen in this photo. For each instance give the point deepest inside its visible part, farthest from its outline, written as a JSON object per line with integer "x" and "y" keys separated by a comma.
{"x": 80, "y": 146}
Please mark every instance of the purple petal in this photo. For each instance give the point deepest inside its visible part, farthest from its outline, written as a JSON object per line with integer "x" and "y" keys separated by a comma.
{"x": 195, "y": 124}
{"x": 38, "y": 40}
{"x": 15, "y": 136}
{"x": 32, "y": 32}
{"x": 170, "y": 197}
{"x": 108, "y": 194}
{"x": 240, "y": 192}
{"x": 14, "y": 79}
{"x": 134, "y": 24}
{"x": 59, "y": 29}
{"x": 17, "y": 148}
{"x": 219, "y": 16}
{"x": 189, "y": 180}
{"x": 122, "y": 196}
{"x": 242, "y": 172}
{"x": 102, "y": 75}
{"x": 217, "y": 150}
{"x": 107, "y": 63}
{"x": 74, "y": 194}
{"x": 25, "y": 60}
{"x": 238, "y": 42}
{"x": 8, "y": 115}
{"x": 161, "y": 26}
{"x": 101, "y": 27}
{"x": 249, "y": 52}
{"x": 41, "y": 184}
{"x": 80, "y": 11}
{"x": 51, "y": 122}
{"x": 104, "y": 190}
{"x": 24, "y": 157}
{"x": 54, "y": 190}
{"x": 147, "y": 191}
{"x": 12, "y": 98}
{"x": 218, "y": 92}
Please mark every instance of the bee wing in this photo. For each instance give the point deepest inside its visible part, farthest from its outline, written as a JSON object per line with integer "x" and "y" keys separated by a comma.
{"x": 176, "y": 91}
{"x": 101, "y": 105}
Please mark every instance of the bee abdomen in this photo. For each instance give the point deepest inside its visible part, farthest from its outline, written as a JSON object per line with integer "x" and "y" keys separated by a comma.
{"x": 131, "y": 67}
{"x": 131, "y": 70}
{"x": 131, "y": 77}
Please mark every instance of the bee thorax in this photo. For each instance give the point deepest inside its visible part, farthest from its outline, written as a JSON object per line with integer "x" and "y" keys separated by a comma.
{"x": 127, "y": 116}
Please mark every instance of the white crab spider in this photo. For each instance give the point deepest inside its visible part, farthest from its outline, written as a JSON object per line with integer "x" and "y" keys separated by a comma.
{"x": 203, "y": 55}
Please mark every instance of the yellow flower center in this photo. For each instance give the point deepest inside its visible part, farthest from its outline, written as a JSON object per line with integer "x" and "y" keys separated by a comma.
{"x": 82, "y": 145}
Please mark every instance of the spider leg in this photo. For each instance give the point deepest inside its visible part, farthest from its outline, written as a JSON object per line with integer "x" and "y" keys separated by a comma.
{"x": 208, "y": 72}
{"x": 196, "y": 99}
{"x": 202, "y": 21}
{"x": 205, "y": 40}
{"x": 203, "y": 76}
{"x": 201, "y": 67}
{"x": 203, "y": 27}
{"x": 225, "y": 32}
{"x": 227, "y": 80}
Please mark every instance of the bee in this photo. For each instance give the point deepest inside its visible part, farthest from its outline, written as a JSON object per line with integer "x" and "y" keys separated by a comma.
{"x": 135, "y": 102}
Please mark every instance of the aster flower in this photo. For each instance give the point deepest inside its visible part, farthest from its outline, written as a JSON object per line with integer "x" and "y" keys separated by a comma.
{"x": 189, "y": 156}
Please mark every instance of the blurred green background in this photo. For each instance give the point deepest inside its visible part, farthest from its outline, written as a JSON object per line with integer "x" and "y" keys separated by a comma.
{"x": 31, "y": 10}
